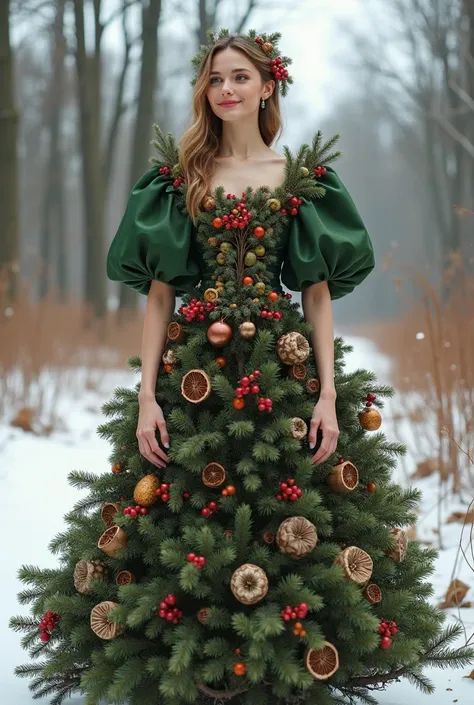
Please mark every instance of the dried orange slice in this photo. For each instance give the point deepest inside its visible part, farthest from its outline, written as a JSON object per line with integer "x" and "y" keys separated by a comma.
{"x": 108, "y": 512}
{"x": 373, "y": 593}
{"x": 213, "y": 475}
{"x": 196, "y": 386}
{"x": 343, "y": 477}
{"x": 356, "y": 564}
{"x": 322, "y": 663}
{"x": 175, "y": 332}
{"x": 124, "y": 577}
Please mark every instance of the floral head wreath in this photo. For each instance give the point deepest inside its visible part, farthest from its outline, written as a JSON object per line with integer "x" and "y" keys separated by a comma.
{"x": 269, "y": 46}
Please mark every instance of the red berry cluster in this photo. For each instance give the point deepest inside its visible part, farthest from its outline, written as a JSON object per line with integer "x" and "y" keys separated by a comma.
{"x": 47, "y": 624}
{"x": 178, "y": 181}
{"x": 265, "y": 404}
{"x": 163, "y": 491}
{"x": 186, "y": 495}
{"x": 370, "y": 398}
{"x": 289, "y": 490}
{"x": 293, "y": 206}
{"x": 168, "y": 609}
{"x": 135, "y": 511}
{"x": 238, "y": 217}
{"x": 212, "y": 507}
{"x": 196, "y": 309}
{"x": 320, "y": 171}
{"x": 287, "y": 296}
{"x": 298, "y": 612}
{"x": 248, "y": 385}
{"x": 199, "y": 561}
{"x": 266, "y": 313}
{"x": 386, "y": 630}
{"x": 165, "y": 170}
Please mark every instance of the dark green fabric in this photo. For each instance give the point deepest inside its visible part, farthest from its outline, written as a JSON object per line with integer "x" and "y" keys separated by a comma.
{"x": 154, "y": 239}
{"x": 327, "y": 241}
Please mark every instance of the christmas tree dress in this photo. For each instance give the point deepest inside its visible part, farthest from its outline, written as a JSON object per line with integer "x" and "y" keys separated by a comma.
{"x": 241, "y": 572}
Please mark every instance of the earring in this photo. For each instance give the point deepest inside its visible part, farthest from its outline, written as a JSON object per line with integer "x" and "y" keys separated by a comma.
{"x": 263, "y": 104}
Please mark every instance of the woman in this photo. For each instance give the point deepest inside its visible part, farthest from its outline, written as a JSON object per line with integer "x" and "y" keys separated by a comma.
{"x": 236, "y": 119}
{"x": 192, "y": 593}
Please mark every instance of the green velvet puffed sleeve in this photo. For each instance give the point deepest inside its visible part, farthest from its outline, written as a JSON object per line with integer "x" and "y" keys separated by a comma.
{"x": 327, "y": 241}
{"x": 154, "y": 239}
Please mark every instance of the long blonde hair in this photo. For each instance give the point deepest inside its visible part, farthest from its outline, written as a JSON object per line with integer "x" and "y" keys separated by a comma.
{"x": 200, "y": 143}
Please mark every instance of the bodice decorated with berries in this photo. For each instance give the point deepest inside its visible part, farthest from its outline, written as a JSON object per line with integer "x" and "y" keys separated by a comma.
{"x": 244, "y": 246}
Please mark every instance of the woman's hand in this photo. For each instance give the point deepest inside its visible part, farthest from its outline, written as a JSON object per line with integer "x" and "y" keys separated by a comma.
{"x": 150, "y": 418}
{"x": 324, "y": 417}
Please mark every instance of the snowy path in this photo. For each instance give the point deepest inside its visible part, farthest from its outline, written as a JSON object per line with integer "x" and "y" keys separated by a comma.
{"x": 33, "y": 474}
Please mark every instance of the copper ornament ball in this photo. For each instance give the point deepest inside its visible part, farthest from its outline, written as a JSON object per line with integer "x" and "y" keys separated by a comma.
{"x": 219, "y": 334}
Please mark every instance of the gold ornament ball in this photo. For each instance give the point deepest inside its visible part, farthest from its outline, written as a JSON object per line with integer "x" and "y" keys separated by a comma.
{"x": 274, "y": 204}
{"x": 260, "y": 288}
{"x": 250, "y": 259}
{"x": 233, "y": 305}
{"x": 267, "y": 47}
{"x": 219, "y": 334}
{"x": 260, "y": 250}
{"x": 256, "y": 300}
{"x": 304, "y": 171}
{"x": 209, "y": 203}
{"x": 269, "y": 231}
{"x": 220, "y": 258}
{"x": 247, "y": 330}
{"x": 211, "y": 294}
{"x": 226, "y": 247}
{"x": 370, "y": 419}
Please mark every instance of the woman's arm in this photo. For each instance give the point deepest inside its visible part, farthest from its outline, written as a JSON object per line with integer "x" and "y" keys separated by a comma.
{"x": 317, "y": 309}
{"x": 159, "y": 310}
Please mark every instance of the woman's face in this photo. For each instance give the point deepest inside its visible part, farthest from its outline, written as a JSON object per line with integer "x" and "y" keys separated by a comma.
{"x": 236, "y": 81}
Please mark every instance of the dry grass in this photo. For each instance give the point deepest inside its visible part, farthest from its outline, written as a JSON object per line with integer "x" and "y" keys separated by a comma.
{"x": 432, "y": 352}
{"x": 47, "y": 346}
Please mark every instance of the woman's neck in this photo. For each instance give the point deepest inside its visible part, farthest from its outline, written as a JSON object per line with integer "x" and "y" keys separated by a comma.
{"x": 242, "y": 142}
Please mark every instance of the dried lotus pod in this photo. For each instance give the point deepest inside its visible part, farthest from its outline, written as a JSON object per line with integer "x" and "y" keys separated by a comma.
{"x": 169, "y": 357}
{"x": 296, "y": 536}
{"x": 356, "y": 564}
{"x": 100, "y": 624}
{"x": 87, "y": 571}
{"x": 108, "y": 512}
{"x": 292, "y": 348}
{"x": 249, "y": 584}
{"x": 399, "y": 549}
{"x": 344, "y": 477}
{"x": 298, "y": 429}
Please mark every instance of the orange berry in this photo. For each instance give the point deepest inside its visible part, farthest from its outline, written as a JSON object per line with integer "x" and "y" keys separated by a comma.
{"x": 272, "y": 296}
{"x": 221, "y": 361}
{"x": 217, "y": 223}
{"x": 230, "y": 489}
{"x": 247, "y": 281}
{"x": 298, "y": 625}
{"x": 237, "y": 651}
{"x": 224, "y": 493}
{"x": 302, "y": 633}
{"x": 238, "y": 403}
{"x": 239, "y": 669}
{"x": 258, "y": 231}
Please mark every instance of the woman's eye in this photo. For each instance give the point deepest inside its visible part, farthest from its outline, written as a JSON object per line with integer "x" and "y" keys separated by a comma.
{"x": 216, "y": 78}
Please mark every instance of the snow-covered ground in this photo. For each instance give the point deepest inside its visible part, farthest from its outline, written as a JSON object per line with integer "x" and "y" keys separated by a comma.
{"x": 33, "y": 472}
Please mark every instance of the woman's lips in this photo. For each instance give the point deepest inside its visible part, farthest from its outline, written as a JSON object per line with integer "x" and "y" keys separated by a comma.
{"x": 229, "y": 105}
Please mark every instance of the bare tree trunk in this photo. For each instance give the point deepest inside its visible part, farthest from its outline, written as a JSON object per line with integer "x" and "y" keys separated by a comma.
{"x": 145, "y": 111}
{"x": 9, "y": 241}
{"x": 88, "y": 75}
{"x": 51, "y": 236}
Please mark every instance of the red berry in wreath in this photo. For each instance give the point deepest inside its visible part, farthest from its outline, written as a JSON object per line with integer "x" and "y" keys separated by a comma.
{"x": 385, "y": 642}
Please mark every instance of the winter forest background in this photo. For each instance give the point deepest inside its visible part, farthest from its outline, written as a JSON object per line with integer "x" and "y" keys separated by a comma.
{"x": 82, "y": 82}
